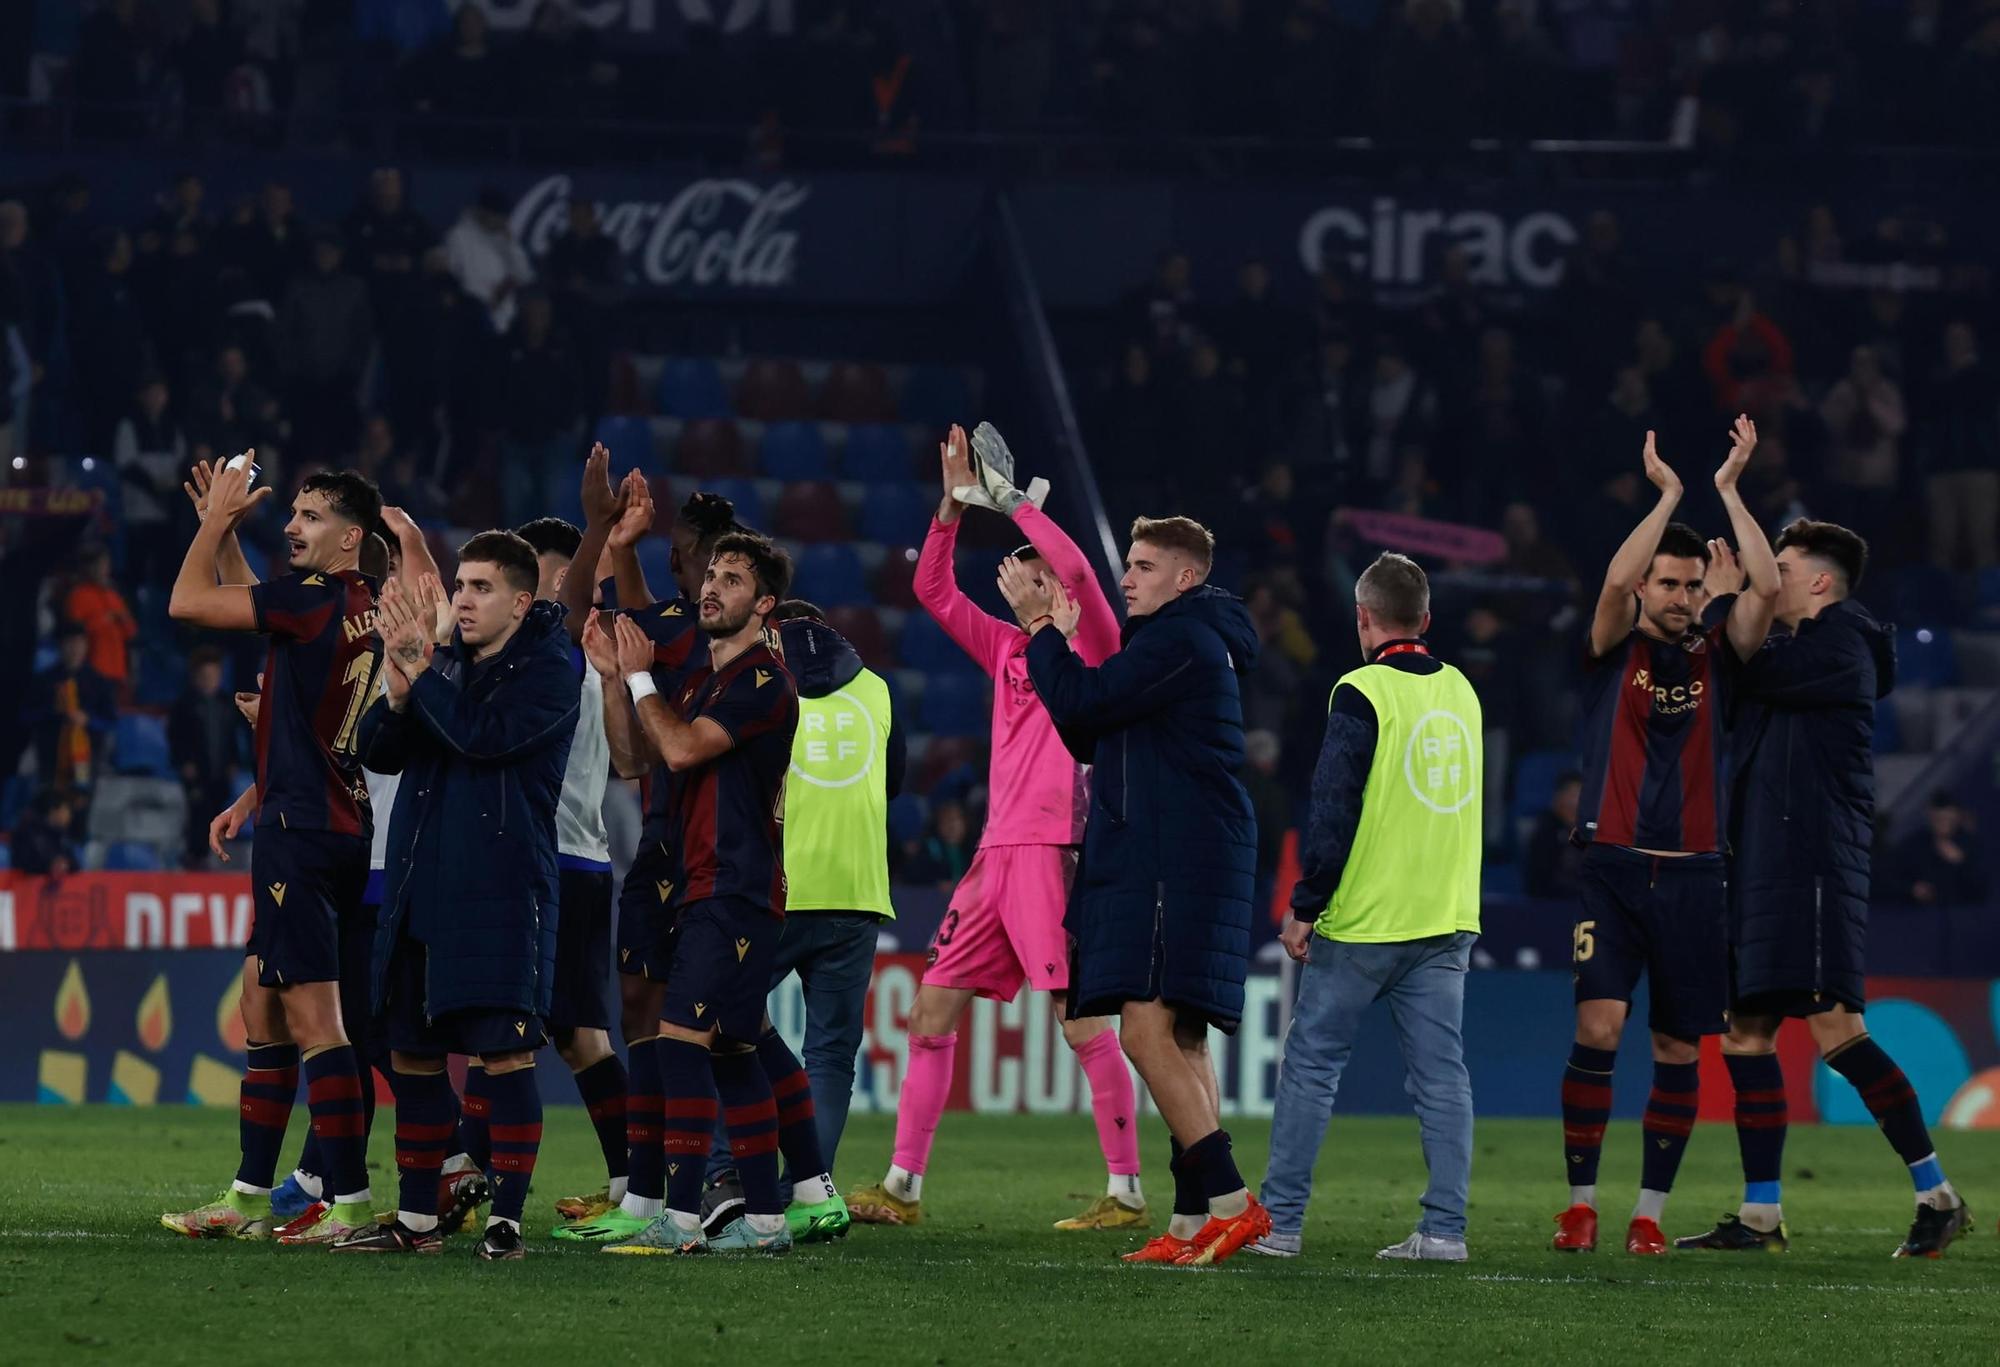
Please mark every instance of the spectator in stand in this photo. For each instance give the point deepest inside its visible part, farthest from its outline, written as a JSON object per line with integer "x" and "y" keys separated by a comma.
{"x": 1325, "y": 421}
{"x": 1864, "y": 418}
{"x": 485, "y": 259}
{"x": 1401, "y": 409}
{"x": 1554, "y": 865}
{"x": 1271, "y": 800}
{"x": 586, "y": 274}
{"x": 151, "y": 455}
{"x": 386, "y": 242}
{"x": 30, "y": 294}
{"x": 1340, "y": 302}
{"x": 71, "y": 709}
{"x": 1598, "y": 300}
{"x": 1960, "y": 445}
{"x": 1530, "y": 556}
{"x": 326, "y": 332}
{"x": 1163, "y": 311}
{"x": 1748, "y": 355}
{"x": 1207, "y": 419}
{"x": 95, "y": 604}
{"x": 44, "y": 843}
{"x": 205, "y": 58}
{"x": 946, "y": 851}
{"x": 1678, "y": 393}
{"x": 1130, "y": 429}
{"x": 181, "y": 210}
{"x": 267, "y": 241}
{"x": 110, "y": 75}
{"x": 542, "y": 405}
{"x": 231, "y": 413}
{"x": 107, "y": 337}
{"x": 1502, "y": 423}
{"x": 204, "y": 736}
{"x": 1271, "y": 694}
{"x": 464, "y": 76}
{"x": 1260, "y": 337}
{"x": 1942, "y": 865}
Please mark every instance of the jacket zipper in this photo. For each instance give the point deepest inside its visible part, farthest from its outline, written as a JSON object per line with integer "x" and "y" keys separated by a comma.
{"x": 1819, "y": 917}
{"x": 1153, "y": 983}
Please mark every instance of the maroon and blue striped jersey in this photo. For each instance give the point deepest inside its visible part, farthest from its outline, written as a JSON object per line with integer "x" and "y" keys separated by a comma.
{"x": 319, "y": 677}
{"x": 1655, "y": 737}
{"x": 728, "y": 814}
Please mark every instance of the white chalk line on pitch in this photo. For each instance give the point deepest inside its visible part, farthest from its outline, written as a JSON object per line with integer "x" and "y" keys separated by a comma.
{"x": 1321, "y": 1273}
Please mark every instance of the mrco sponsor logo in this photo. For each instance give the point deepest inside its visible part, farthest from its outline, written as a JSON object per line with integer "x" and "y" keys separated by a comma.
{"x": 711, "y": 233}
{"x": 1393, "y": 245}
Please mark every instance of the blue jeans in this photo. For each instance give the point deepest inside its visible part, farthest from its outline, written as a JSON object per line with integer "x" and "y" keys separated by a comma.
{"x": 1424, "y": 981}
{"x": 833, "y": 952}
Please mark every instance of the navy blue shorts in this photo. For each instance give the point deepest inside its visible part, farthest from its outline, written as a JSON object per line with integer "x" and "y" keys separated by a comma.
{"x": 301, "y": 884}
{"x": 479, "y": 1031}
{"x": 1666, "y": 918}
{"x": 646, "y": 912}
{"x": 724, "y": 951}
{"x": 585, "y": 994}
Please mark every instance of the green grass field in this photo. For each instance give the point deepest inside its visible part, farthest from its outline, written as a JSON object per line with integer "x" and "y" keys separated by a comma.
{"x": 86, "y": 1273}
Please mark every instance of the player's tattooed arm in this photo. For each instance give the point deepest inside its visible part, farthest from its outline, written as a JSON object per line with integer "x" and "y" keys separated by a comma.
{"x": 1750, "y": 615}
{"x": 634, "y": 524}
{"x": 681, "y": 745}
{"x": 231, "y": 566}
{"x": 602, "y": 507}
{"x": 197, "y": 598}
{"x": 631, "y": 752}
{"x": 1617, "y": 606}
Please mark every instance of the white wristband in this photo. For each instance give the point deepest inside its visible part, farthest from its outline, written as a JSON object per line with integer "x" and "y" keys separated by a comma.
{"x": 641, "y": 686}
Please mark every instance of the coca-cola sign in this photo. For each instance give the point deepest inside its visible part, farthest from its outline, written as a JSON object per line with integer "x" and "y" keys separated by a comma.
{"x": 712, "y": 233}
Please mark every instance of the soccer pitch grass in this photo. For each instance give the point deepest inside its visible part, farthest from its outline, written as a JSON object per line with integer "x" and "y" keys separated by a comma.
{"x": 87, "y": 1274}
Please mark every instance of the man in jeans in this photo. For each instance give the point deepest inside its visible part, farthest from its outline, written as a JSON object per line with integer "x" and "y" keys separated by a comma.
{"x": 1387, "y": 907}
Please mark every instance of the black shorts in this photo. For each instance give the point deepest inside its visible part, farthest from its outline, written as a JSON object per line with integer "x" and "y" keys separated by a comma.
{"x": 585, "y": 995}
{"x": 724, "y": 950}
{"x": 646, "y": 912}
{"x": 478, "y": 1031}
{"x": 1667, "y": 918}
{"x": 301, "y": 883}
{"x": 1796, "y": 1004}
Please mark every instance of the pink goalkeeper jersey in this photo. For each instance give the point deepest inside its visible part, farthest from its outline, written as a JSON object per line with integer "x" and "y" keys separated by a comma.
{"x": 1036, "y": 790}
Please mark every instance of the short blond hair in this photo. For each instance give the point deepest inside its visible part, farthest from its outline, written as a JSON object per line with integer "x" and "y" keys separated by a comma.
{"x": 1181, "y": 534}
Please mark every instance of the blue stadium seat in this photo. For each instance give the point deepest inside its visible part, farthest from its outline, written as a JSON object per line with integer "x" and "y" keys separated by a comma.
{"x": 831, "y": 575}
{"x": 896, "y": 513}
{"x": 656, "y": 558}
{"x": 691, "y": 387}
{"x": 254, "y": 557}
{"x": 876, "y": 453}
{"x": 955, "y": 705}
{"x": 1498, "y": 879}
{"x": 15, "y": 795}
{"x": 906, "y": 818}
{"x": 1925, "y": 658}
{"x": 562, "y": 494}
{"x": 750, "y": 510}
{"x": 1535, "y": 781}
{"x": 1888, "y": 727}
{"x": 938, "y": 396}
{"x": 1923, "y": 593}
{"x": 794, "y": 451}
{"x": 630, "y": 441}
{"x": 131, "y": 856}
{"x": 139, "y": 746}
{"x": 924, "y": 646}
{"x": 6, "y": 856}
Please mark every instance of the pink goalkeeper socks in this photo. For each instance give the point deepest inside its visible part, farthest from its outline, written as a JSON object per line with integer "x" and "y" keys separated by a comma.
{"x": 926, "y": 1085}
{"x": 1112, "y": 1102}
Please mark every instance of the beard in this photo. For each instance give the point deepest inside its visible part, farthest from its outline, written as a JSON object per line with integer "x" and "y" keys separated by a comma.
{"x": 724, "y": 623}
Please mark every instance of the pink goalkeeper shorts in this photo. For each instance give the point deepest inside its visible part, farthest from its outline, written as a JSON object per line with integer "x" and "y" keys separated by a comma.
{"x": 1005, "y": 926}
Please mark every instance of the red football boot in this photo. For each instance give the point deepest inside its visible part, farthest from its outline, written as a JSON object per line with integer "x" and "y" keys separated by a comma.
{"x": 1643, "y": 1236}
{"x": 1576, "y": 1230}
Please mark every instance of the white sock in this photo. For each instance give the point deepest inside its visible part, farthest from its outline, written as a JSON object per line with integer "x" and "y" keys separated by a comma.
{"x": 1186, "y": 1226}
{"x": 619, "y": 1186}
{"x": 245, "y": 1189}
{"x": 766, "y": 1224}
{"x": 1652, "y": 1205}
{"x": 459, "y": 1162}
{"x": 1762, "y": 1216}
{"x": 641, "y": 1207}
{"x": 1230, "y": 1206}
{"x": 493, "y": 1220}
{"x": 813, "y": 1190}
{"x": 419, "y": 1224}
{"x": 903, "y": 1184}
{"x": 1944, "y": 1196}
{"x": 1584, "y": 1196}
{"x": 1125, "y": 1186}
{"x": 688, "y": 1223}
{"x": 363, "y": 1197}
{"x": 308, "y": 1183}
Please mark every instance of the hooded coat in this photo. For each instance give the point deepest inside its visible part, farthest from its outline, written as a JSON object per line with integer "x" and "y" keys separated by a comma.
{"x": 471, "y": 868}
{"x": 1161, "y": 906}
{"x": 1803, "y": 810}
